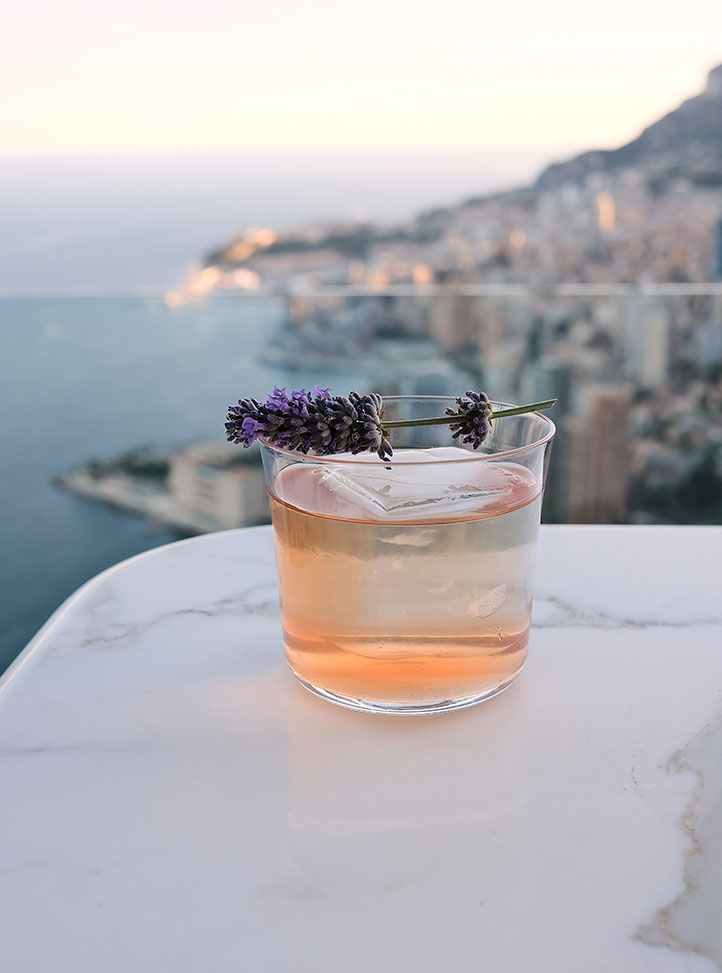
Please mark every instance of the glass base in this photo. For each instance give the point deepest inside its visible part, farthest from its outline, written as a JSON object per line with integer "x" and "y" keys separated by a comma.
{"x": 406, "y": 709}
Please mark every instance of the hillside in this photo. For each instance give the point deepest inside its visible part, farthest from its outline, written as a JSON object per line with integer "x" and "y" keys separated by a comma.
{"x": 686, "y": 142}
{"x": 648, "y": 210}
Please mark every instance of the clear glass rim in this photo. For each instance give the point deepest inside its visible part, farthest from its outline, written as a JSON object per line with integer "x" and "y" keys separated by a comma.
{"x": 472, "y": 458}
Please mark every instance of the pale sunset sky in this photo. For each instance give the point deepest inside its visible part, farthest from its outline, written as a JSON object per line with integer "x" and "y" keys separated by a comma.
{"x": 155, "y": 76}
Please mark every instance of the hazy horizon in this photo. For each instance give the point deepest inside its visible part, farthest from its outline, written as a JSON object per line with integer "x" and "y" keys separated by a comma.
{"x": 140, "y": 221}
{"x": 124, "y": 220}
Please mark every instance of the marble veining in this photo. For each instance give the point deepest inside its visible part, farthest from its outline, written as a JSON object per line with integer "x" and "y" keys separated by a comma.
{"x": 246, "y": 603}
{"x": 173, "y": 800}
{"x": 693, "y": 921}
{"x": 555, "y": 612}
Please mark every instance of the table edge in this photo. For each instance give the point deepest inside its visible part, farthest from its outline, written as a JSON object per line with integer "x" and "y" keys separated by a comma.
{"x": 29, "y": 650}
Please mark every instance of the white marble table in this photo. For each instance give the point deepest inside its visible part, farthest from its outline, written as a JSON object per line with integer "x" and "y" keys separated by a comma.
{"x": 173, "y": 800}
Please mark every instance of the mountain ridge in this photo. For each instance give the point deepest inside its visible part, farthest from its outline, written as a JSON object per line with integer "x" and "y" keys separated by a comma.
{"x": 692, "y": 132}
{"x": 649, "y": 209}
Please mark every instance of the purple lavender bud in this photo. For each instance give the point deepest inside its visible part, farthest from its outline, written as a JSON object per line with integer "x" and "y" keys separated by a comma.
{"x": 368, "y": 431}
{"x": 277, "y": 399}
{"x": 313, "y": 421}
{"x": 474, "y": 423}
{"x": 245, "y": 422}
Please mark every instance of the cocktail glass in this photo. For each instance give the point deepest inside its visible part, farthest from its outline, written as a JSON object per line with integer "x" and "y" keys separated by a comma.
{"x": 406, "y": 584}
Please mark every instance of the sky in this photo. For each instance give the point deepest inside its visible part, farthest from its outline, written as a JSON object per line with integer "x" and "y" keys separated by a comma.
{"x": 170, "y": 76}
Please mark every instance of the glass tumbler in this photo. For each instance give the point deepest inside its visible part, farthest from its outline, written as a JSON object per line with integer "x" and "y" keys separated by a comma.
{"x": 406, "y": 584}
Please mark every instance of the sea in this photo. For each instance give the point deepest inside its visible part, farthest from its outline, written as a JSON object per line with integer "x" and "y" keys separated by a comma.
{"x": 92, "y": 377}
{"x": 92, "y": 362}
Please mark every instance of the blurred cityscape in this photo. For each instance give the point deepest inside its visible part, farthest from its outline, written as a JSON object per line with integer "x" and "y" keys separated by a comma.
{"x": 593, "y": 285}
{"x": 637, "y": 373}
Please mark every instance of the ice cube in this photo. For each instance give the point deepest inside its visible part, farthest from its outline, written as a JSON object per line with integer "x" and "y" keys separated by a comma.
{"x": 409, "y": 487}
{"x": 491, "y": 601}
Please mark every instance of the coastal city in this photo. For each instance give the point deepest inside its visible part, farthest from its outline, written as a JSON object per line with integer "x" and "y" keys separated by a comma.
{"x": 600, "y": 285}
{"x": 637, "y": 374}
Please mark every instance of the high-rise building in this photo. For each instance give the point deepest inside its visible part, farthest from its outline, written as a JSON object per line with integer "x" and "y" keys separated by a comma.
{"x": 708, "y": 341}
{"x": 648, "y": 344}
{"x": 598, "y": 457}
{"x": 550, "y": 378}
{"x": 454, "y": 320}
{"x": 718, "y": 251}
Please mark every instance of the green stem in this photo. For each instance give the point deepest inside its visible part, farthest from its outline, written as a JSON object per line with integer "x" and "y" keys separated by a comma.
{"x": 447, "y": 420}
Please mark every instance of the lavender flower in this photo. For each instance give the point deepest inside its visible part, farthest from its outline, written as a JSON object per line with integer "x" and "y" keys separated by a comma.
{"x": 473, "y": 418}
{"x": 311, "y": 421}
{"x": 326, "y": 424}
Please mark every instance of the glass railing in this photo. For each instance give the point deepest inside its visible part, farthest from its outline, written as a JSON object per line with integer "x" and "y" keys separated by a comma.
{"x": 113, "y": 407}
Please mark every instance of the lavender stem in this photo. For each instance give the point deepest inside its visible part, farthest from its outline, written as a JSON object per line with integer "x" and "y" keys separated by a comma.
{"x": 447, "y": 420}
